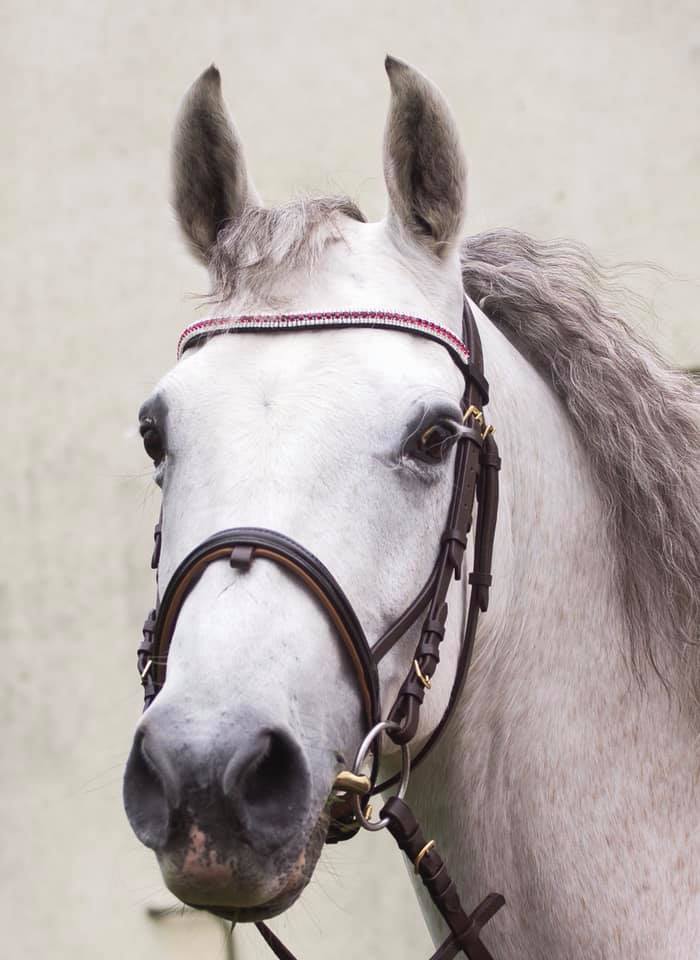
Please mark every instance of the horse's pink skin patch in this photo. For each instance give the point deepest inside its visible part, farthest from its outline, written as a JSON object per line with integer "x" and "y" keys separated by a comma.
{"x": 201, "y": 870}
{"x": 201, "y": 878}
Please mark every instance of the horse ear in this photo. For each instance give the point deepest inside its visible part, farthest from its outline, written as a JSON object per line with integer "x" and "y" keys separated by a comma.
{"x": 424, "y": 165}
{"x": 210, "y": 183}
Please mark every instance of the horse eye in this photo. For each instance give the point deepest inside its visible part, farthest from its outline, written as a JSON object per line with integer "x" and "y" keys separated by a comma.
{"x": 433, "y": 444}
{"x": 152, "y": 441}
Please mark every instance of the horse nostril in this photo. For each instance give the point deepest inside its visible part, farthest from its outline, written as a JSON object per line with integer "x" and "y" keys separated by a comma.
{"x": 268, "y": 783}
{"x": 148, "y": 793}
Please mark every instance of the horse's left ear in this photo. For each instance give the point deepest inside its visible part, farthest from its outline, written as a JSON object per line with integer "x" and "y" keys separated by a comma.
{"x": 424, "y": 165}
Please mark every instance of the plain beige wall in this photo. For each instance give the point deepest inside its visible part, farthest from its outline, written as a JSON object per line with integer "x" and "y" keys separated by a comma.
{"x": 579, "y": 119}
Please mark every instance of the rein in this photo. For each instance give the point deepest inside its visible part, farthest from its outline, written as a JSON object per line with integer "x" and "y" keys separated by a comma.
{"x": 475, "y": 485}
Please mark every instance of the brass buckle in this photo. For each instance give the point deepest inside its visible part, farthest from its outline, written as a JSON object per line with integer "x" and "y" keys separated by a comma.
{"x": 473, "y": 411}
{"x": 478, "y": 415}
{"x": 426, "y": 681}
{"x": 426, "y": 849}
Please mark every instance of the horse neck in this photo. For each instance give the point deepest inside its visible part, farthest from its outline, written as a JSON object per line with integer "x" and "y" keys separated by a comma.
{"x": 573, "y": 796}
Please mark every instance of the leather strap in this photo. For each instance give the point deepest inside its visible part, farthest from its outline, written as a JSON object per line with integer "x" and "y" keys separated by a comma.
{"x": 406, "y": 708}
{"x": 274, "y": 943}
{"x": 487, "y": 495}
{"x": 465, "y": 929}
{"x": 430, "y": 866}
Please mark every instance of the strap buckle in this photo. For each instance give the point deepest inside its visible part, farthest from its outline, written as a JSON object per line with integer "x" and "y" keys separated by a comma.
{"x": 426, "y": 681}
{"x": 426, "y": 849}
{"x": 475, "y": 412}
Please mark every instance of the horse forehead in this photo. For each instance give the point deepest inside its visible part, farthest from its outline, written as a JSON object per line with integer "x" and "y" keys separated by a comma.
{"x": 371, "y": 267}
{"x": 331, "y": 369}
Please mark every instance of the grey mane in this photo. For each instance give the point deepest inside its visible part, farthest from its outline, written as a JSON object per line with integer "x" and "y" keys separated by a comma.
{"x": 638, "y": 418}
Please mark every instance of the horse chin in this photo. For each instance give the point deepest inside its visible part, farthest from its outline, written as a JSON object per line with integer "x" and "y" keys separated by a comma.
{"x": 241, "y": 888}
{"x": 255, "y": 914}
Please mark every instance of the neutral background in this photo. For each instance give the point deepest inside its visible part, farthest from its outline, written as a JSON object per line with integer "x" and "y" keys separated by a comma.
{"x": 579, "y": 118}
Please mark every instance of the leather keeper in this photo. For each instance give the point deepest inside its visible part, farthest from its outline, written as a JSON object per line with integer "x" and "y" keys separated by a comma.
{"x": 435, "y": 625}
{"x": 429, "y": 646}
{"x": 473, "y": 434}
{"x": 149, "y": 627}
{"x": 149, "y": 692}
{"x": 242, "y": 556}
{"x": 480, "y": 579}
{"x": 455, "y": 534}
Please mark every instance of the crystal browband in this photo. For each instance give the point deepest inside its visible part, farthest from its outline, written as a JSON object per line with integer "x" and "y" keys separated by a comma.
{"x": 377, "y": 319}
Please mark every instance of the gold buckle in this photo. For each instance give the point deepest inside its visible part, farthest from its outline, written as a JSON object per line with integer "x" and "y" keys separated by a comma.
{"x": 473, "y": 411}
{"x": 426, "y": 681}
{"x": 426, "y": 849}
{"x": 478, "y": 415}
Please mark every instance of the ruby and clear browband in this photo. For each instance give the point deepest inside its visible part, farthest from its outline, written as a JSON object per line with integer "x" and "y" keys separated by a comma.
{"x": 378, "y": 319}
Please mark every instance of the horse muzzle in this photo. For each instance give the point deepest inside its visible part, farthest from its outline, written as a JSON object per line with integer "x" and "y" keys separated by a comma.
{"x": 229, "y": 818}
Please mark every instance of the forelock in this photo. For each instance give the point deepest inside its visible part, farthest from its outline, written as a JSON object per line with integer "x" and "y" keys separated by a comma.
{"x": 266, "y": 241}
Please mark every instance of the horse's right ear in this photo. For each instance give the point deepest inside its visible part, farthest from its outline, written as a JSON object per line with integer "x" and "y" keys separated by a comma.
{"x": 210, "y": 182}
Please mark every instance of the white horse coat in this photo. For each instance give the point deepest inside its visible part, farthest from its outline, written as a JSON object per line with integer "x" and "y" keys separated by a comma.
{"x": 568, "y": 778}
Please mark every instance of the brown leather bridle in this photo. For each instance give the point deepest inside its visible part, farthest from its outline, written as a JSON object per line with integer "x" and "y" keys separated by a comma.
{"x": 476, "y": 469}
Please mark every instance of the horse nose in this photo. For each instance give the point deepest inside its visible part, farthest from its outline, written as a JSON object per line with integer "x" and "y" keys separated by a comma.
{"x": 257, "y": 789}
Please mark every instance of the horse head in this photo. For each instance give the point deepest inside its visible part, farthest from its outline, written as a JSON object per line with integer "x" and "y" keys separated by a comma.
{"x": 342, "y": 440}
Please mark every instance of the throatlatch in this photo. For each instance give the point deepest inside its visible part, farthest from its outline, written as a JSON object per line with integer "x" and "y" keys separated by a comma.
{"x": 475, "y": 483}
